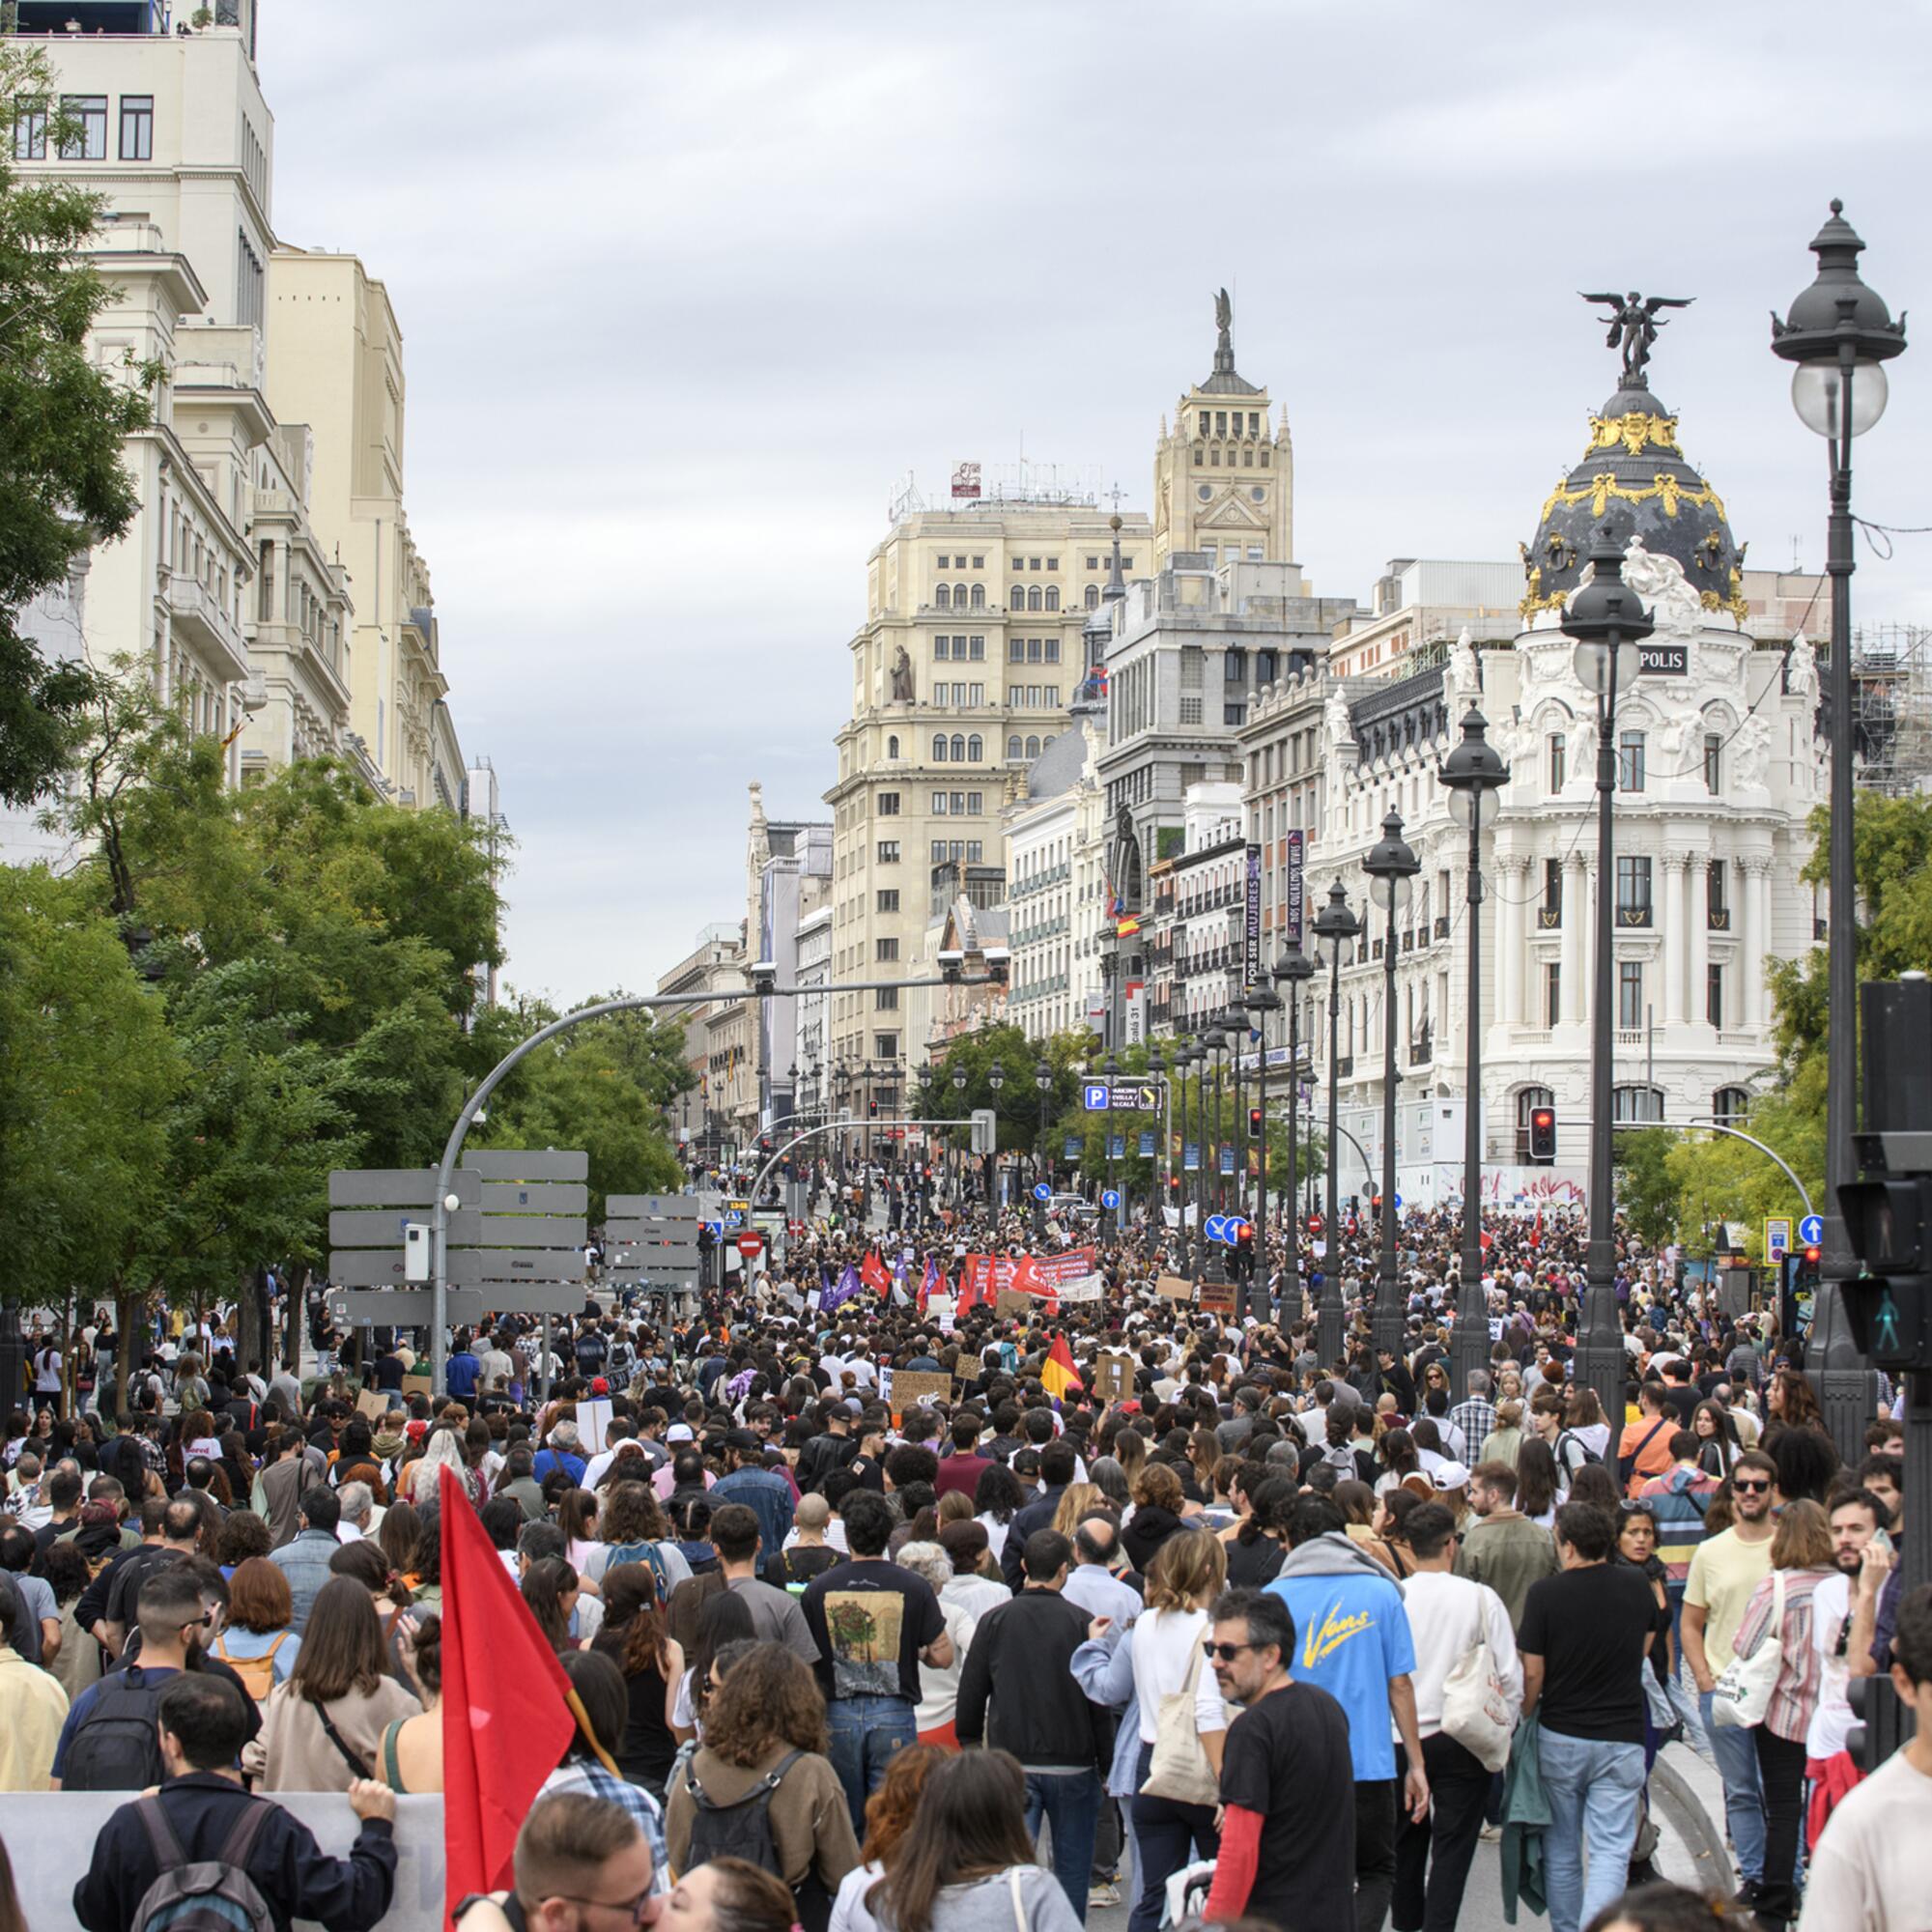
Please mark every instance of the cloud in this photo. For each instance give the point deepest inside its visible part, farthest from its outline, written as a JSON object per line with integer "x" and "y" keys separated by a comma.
{"x": 685, "y": 290}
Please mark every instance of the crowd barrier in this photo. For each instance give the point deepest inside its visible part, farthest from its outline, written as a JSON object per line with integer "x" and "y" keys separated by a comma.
{"x": 49, "y": 1836}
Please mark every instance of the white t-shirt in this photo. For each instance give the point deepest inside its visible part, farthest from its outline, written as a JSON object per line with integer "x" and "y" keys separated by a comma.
{"x": 1446, "y": 1615}
{"x": 1871, "y": 1871}
{"x": 1167, "y": 1645}
{"x": 1832, "y": 1719}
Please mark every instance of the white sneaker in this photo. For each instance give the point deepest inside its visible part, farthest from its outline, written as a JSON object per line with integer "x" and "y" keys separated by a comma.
{"x": 1492, "y": 1835}
{"x": 1106, "y": 1894}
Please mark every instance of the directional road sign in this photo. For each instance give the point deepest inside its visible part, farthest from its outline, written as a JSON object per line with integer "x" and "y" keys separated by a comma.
{"x": 400, "y": 1187}
{"x": 1110, "y": 1197}
{"x": 1041, "y": 1191}
{"x": 1215, "y": 1227}
{"x": 1096, "y": 1097}
{"x": 1811, "y": 1229}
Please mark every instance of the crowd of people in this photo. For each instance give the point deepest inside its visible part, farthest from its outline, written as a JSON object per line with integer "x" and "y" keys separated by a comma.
{"x": 1148, "y": 1608}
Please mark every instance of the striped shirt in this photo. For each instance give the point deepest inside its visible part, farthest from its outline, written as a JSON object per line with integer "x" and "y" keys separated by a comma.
{"x": 1800, "y": 1675}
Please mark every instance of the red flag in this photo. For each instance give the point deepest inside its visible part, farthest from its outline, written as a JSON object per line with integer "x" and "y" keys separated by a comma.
{"x": 505, "y": 1719}
{"x": 873, "y": 1274}
{"x": 971, "y": 1275}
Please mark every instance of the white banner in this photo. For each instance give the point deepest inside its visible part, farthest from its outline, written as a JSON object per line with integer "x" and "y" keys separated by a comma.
{"x": 1086, "y": 1289}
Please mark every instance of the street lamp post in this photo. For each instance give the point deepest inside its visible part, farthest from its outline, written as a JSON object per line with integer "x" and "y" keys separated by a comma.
{"x": 996, "y": 1078}
{"x": 1157, "y": 1071}
{"x": 1391, "y": 866}
{"x": 1335, "y": 929}
{"x": 1609, "y": 622}
{"x": 1838, "y": 336}
{"x": 1042, "y": 1078}
{"x": 959, "y": 1102}
{"x": 1293, "y": 972}
{"x": 1474, "y": 775}
{"x": 1214, "y": 1042}
{"x": 1110, "y": 1072}
{"x": 1262, "y": 1001}
{"x": 1233, "y": 1022}
{"x": 1183, "y": 1058}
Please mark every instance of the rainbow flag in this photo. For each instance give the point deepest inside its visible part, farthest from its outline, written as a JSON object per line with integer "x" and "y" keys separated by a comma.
{"x": 1056, "y": 1374}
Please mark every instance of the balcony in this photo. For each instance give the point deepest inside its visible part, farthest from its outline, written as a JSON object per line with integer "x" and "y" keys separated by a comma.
{"x": 1443, "y": 927}
{"x": 1633, "y": 916}
{"x": 1548, "y": 919}
{"x": 199, "y": 619}
{"x": 1718, "y": 918}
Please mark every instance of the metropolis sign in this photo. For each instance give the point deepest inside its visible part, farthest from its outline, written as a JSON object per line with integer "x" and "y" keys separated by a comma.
{"x": 1663, "y": 660}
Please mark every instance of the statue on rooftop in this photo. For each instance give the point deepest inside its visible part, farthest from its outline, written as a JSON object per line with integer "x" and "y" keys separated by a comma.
{"x": 1634, "y": 323}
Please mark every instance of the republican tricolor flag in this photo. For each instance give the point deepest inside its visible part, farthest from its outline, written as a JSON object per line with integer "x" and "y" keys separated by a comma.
{"x": 1056, "y": 1374}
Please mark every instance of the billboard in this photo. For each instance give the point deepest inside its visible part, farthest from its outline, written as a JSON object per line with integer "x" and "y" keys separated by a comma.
{"x": 1292, "y": 891}
{"x": 1251, "y": 970}
{"x": 965, "y": 480}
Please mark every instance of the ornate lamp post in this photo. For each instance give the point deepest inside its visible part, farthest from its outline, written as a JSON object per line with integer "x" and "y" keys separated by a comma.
{"x": 1183, "y": 1058}
{"x": 1110, "y": 1071}
{"x": 1474, "y": 774}
{"x": 1261, "y": 1002}
{"x": 1838, "y": 338}
{"x": 996, "y": 1078}
{"x": 1391, "y": 866}
{"x": 1335, "y": 929}
{"x": 1042, "y": 1078}
{"x": 1609, "y": 622}
{"x": 842, "y": 1082}
{"x": 959, "y": 1104}
{"x": 1213, "y": 1043}
{"x": 1293, "y": 972}
{"x": 1157, "y": 1071}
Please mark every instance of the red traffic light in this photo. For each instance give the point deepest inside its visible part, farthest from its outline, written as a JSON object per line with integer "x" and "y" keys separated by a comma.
{"x": 1543, "y": 1134}
{"x": 1812, "y": 1256}
{"x": 1254, "y": 1123}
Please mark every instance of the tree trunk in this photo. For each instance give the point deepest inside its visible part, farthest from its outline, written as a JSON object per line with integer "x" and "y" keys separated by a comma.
{"x": 129, "y": 1319}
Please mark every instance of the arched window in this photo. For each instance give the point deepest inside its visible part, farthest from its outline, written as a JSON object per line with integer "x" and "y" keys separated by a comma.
{"x": 1637, "y": 1103}
{"x": 979, "y": 597}
{"x": 939, "y": 747}
{"x": 1032, "y": 748}
{"x": 976, "y": 749}
{"x": 1729, "y": 1105}
{"x": 1013, "y": 745}
{"x": 958, "y": 748}
{"x": 1033, "y": 597}
{"x": 1092, "y": 597}
{"x": 892, "y": 747}
{"x": 943, "y": 597}
{"x": 959, "y": 597}
{"x": 1053, "y": 597}
{"x": 1527, "y": 1100}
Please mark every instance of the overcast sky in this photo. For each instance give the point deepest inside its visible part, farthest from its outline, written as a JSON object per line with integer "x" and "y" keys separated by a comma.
{"x": 686, "y": 289}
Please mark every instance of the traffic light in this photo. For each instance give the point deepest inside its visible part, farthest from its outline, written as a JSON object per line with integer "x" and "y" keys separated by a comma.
{"x": 764, "y": 1143}
{"x": 872, "y": 1110}
{"x": 1543, "y": 1136}
{"x": 1890, "y": 1310}
{"x": 1254, "y": 1123}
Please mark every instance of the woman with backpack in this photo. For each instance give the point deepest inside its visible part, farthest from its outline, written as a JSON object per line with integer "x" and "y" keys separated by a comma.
{"x": 322, "y": 1730}
{"x": 634, "y": 1530}
{"x": 633, "y": 1637}
{"x": 256, "y": 1641}
{"x": 761, "y": 1788}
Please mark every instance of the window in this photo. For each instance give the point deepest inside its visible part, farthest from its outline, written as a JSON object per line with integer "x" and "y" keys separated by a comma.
{"x": 1013, "y": 745}
{"x": 1729, "y": 1105}
{"x": 959, "y": 805}
{"x": 137, "y": 126}
{"x": 90, "y": 142}
{"x": 1558, "y": 748}
{"x": 1632, "y": 892}
{"x": 1527, "y": 1103}
{"x": 892, "y": 747}
{"x": 1714, "y": 996}
{"x": 1034, "y": 601}
{"x": 1234, "y": 714}
{"x": 973, "y": 851}
{"x": 974, "y": 804}
{"x": 1036, "y": 650}
{"x": 30, "y": 131}
{"x": 976, "y": 649}
{"x": 958, "y": 748}
{"x": 939, "y": 748}
{"x": 1053, "y": 650}
{"x": 977, "y": 600}
{"x": 1714, "y": 762}
{"x": 976, "y": 749}
{"x": 889, "y": 804}
{"x": 943, "y": 597}
{"x": 939, "y": 804}
{"x": 1553, "y": 891}
{"x": 885, "y": 999}
{"x": 942, "y": 647}
{"x": 1032, "y": 748}
{"x": 250, "y": 285}
{"x": 889, "y": 851}
{"x": 1017, "y": 650}
{"x": 885, "y": 950}
{"x": 1637, "y": 1103}
{"x": 1192, "y": 662}
{"x": 1629, "y": 761}
{"x": 1233, "y": 666}
{"x": 1714, "y": 904}
{"x": 1553, "y": 994}
{"x": 977, "y": 697}
{"x": 1092, "y": 597}
{"x": 945, "y": 563}
{"x": 1190, "y": 710}
{"x": 888, "y": 899}
{"x": 886, "y": 1045}
{"x": 1629, "y": 995}
{"x": 1052, "y": 595}
{"x": 979, "y": 563}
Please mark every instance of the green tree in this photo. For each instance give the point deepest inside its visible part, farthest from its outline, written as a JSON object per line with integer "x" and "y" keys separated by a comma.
{"x": 1648, "y": 1190}
{"x": 62, "y": 419}
{"x": 88, "y": 1075}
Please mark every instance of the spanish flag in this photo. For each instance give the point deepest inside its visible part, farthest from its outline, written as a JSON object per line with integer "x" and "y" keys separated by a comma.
{"x": 1056, "y": 1374}
{"x": 1126, "y": 926}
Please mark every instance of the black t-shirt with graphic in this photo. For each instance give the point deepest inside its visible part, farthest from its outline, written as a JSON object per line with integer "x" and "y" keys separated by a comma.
{"x": 871, "y": 1620}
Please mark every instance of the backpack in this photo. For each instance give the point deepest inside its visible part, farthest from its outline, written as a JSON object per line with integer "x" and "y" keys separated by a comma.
{"x": 1571, "y": 1435}
{"x": 257, "y": 1673}
{"x": 116, "y": 1748}
{"x": 740, "y": 1830}
{"x": 643, "y": 1552}
{"x": 210, "y": 1895}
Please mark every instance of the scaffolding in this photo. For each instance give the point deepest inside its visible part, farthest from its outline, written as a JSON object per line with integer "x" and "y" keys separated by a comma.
{"x": 1892, "y": 708}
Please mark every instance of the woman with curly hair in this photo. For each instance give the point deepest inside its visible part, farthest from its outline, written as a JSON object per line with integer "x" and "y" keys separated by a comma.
{"x": 766, "y": 1723}
{"x": 890, "y": 1812}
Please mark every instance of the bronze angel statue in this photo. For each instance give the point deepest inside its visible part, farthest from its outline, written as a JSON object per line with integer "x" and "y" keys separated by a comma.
{"x": 1634, "y": 323}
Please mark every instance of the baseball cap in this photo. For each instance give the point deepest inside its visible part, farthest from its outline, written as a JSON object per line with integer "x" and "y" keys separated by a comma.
{"x": 679, "y": 1432}
{"x": 600, "y": 1386}
{"x": 1450, "y": 1476}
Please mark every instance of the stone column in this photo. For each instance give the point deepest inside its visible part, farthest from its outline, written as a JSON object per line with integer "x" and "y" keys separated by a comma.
{"x": 1577, "y": 921}
{"x": 1751, "y": 1003}
{"x": 1672, "y": 951}
{"x": 1508, "y": 939}
{"x": 1697, "y": 879}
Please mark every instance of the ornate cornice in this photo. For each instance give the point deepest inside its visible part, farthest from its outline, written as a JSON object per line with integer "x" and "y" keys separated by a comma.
{"x": 1636, "y": 431}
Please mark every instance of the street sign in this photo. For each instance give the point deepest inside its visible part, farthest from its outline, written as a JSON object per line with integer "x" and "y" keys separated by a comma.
{"x": 1776, "y": 1237}
{"x": 1146, "y": 1143}
{"x": 1094, "y": 1098}
{"x": 400, "y": 1187}
{"x": 479, "y": 1267}
{"x": 399, "y": 1308}
{"x": 529, "y": 1163}
{"x": 1811, "y": 1229}
{"x": 1291, "y": 933}
{"x": 1041, "y": 1191}
{"x": 749, "y": 1245}
{"x": 1227, "y": 1160}
{"x": 1117, "y": 1147}
{"x": 1100, "y": 1098}
{"x": 1214, "y": 1228}
{"x": 1110, "y": 1197}
{"x": 383, "y": 1227}
{"x": 1251, "y": 937}
{"x": 985, "y": 1130}
{"x": 539, "y": 1197}
{"x": 1190, "y": 1156}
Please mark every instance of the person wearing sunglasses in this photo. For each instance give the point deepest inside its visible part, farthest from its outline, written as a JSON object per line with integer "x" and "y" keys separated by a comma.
{"x": 582, "y": 1865}
{"x": 1725, "y": 1570}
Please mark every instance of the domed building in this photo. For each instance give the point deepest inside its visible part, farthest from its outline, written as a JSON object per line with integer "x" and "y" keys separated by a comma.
{"x": 1718, "y": 766}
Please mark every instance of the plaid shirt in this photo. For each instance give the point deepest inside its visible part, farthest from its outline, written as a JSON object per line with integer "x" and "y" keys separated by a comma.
{"x": 585, "y": 1777}
{"x": 1476, "y": 1418}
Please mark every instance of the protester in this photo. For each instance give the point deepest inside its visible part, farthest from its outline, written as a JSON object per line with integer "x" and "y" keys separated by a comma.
{"x": 573, "y": 1852}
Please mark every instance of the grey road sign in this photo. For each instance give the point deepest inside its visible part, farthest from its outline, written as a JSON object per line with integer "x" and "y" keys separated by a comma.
{"x": 985, "y": 1130}
{"x": 534, "y": 1297}
{"x": 655, "y": 1206}
{"x": 400, "y": 1308}
{"x": 472, "y": 1267}
{"x": 653, "y": 1253}
{"x": 535, "y": 1196}
{"x": 368, "y": 1267}
{"x": 529, "y": 1163}
{"x": 399, "y": 1187}
{"x": 522, "y": 1231}
{"x": 383, "y": 1227}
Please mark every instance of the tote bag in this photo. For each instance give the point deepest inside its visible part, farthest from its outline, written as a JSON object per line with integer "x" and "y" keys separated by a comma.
{"x": 1476, "y": 1707}
{"x": 1178, "y": 1770}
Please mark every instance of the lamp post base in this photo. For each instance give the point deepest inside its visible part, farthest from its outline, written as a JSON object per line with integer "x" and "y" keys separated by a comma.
{"x": 12, "y": 1362}
{"x": 1329, "y": 1324}
{"x": 1604, "y": 1365}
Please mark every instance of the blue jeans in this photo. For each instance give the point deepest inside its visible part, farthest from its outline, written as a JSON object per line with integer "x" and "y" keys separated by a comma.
{"x": 1071, "y": 1801}
{"x": 863, "y": 1735}
{"x": 1736, "y": 1752}
{"x": 1595, "y": 1791}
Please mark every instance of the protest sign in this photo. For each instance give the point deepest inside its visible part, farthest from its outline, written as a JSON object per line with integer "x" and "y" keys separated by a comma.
{"x": 1174, "y": 1288}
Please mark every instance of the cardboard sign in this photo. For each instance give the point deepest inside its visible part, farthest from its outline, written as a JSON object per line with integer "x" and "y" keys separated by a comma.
{"x": 1174, "y": 1288}
{"x": 373, "y": 1405}
{"x": 1113, "y": 1377}
{"x": 1013, "y": 1301}
{"x": 593, "y": 1423}
{"x": 1217, "y": 1299}
{"x": 939, "y": 1308}
{"x": 414, "y": 1385}
{"x": 912, "y": 1390}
